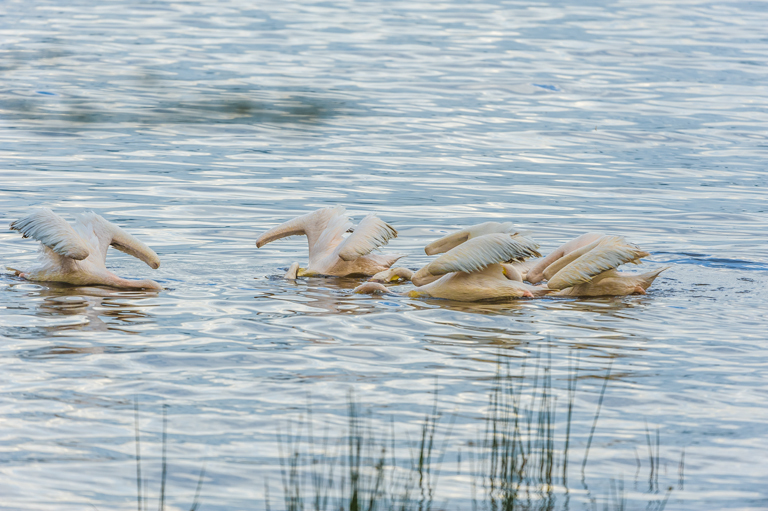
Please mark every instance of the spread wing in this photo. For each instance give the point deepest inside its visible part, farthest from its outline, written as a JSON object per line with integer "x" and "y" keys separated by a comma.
{"x": 370, "y": 234}
{"x": 111, "y": 234}
{"x": 482, "y": 251}
{"x": 610, "y": 252}
{"x": 310, "y": 225}
{"x": 450, "y": 241}
{"x": 52, "y": 231}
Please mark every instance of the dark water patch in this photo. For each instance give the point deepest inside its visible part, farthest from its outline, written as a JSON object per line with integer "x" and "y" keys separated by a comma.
{"x": 62, "y": 351}
{"x": 717, "y": 262}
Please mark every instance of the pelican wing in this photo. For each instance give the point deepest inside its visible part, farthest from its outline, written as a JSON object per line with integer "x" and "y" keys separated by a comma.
{"x": 54, "y": 232}
{"x": 310, "y": 225}
{"x": 370, "y": 234}
{"x": 610, "y": 252}
{"x": 551, "y": 270}
{"x": 450, "y": 241}
{"x": 331, "y": 237}
{"x": 483, "y": 251}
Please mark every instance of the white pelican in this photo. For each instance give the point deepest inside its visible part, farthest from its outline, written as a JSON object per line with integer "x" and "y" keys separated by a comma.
{"x": 330, "y": 254}
{"x": 77, "y": 254}
{"x": 536, "y": 272}
{"x": 514, "y": 270}
{"x": 473, "y": 270}
{"x": 590, "y": 270}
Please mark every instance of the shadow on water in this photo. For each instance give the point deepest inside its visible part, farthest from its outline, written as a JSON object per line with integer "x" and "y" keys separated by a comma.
{"x": 334, "y": 296}
{"x": 144, "y": 99}
{"x": 257, "y": 107}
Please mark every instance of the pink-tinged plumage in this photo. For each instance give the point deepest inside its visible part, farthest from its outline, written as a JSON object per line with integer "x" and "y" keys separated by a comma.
{"x": 453, "y": 240}
{"x": 76, "y": 254}
{"x": 330, "y": 253}
{"x": 609, "y": 253}
{"x": 473, "y": 270}
{"x": 486, "y": 262}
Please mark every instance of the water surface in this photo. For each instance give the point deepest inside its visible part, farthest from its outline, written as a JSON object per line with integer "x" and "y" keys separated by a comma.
{"x": 198, "y": 125}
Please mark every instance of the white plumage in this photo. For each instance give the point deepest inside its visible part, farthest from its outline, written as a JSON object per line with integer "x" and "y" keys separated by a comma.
{"x": 474, "y": 268}
{"x": 76, "y": 254}
{"x": 370, "y": 234}
{"x": 482, "y": 251}
{"x": 455, "y": 239}
{"x": 331, "y": 254}
{"x": 52, "y": 231}
{"x": 609, "y": 253}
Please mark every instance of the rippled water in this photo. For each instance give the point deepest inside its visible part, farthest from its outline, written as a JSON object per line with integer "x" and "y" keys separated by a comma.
{"x": 198, "y": 125}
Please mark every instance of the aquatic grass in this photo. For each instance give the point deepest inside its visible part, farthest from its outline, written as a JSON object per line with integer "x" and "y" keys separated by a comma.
{"x": 519, "y": 461}
{"x": 142, "y": 501}
{"x": 370, "y": 476}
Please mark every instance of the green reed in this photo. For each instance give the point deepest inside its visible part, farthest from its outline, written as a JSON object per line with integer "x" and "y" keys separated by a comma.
{"x": 362, "y": 473}
{"x": 519, "y": 461}
{"x": 142, "y": 486}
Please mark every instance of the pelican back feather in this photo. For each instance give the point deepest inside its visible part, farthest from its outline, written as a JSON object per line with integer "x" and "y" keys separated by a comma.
{"x": 482, "y": 251}
{"x": 455, "y": 239}
{"x": 610, "y": 253}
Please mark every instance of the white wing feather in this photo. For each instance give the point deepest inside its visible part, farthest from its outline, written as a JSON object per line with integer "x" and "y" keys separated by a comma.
{"x": 330, "y": 238}
{"x": 450, "y": 241}
{"x": 370, "y": 234}
{"x": 483, "y": 251}
{"x": 610, "y": 253}
{"x": 54, "y": 232}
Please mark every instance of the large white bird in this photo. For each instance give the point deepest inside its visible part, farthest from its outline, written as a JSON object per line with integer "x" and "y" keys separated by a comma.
{"x": 330, "y": 253}
{"x": 514, "y": 269}
{"x": 473, "y": 270}
{"x": 587, "y": 266}
{"x": 76, "y": 254}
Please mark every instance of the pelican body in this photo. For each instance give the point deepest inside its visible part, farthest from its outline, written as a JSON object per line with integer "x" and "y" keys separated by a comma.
{"x": 490, "y": 262}
{"x": 476, "y": 268}
{"x": 76, "y": 254}
{"x": 330, "y": 254}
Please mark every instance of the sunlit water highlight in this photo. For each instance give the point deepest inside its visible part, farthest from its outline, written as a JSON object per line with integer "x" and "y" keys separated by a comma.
{"x": 198, "y": 125}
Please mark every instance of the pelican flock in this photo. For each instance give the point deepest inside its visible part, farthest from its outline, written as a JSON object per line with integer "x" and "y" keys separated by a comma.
{"x": 488, "y": 261}
{"x": 492, "y": 261}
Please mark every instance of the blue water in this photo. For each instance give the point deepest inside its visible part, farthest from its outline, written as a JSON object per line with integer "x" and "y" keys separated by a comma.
{"x": 198, "y": 125}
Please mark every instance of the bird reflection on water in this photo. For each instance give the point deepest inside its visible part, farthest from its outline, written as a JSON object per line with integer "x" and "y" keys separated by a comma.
{"x": 67, "y": 309}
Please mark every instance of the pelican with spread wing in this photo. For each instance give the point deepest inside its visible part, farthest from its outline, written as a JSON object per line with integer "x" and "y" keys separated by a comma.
{"x": 330, "y": 253}
{"x": 516, "y": 269}
{"x": 475, "y": 268}
{"x": 76, "y": 254}
{"x": 587, "y": 266}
